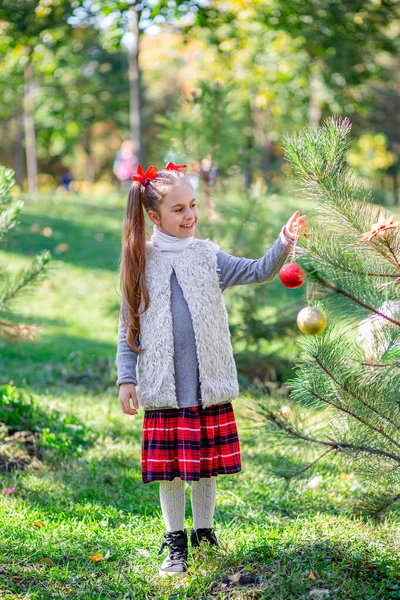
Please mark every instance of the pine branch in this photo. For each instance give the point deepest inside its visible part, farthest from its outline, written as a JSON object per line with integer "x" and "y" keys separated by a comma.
{"x": 395, "y": 364}
{"x": 25, "y": 277}
{"x": 353, "y": 220}
{"x": 347, "y": 273}
{"x": 353, "y": 298}
{"x": 327, "y": 179}
{"x": 384, "y": 505}
{"x": 396, "y": 261}
{"x": 336, "y": 255}
{"x": 355, "y": 416}
{"x": 310, "y": 465}
{"x": 335, "y": 445}
{"x": 355, "y": 396}
{"x": 15, "y": 331}
{"x": 348, "y": 270}
{"x": 7, "y": 181}
{"x": 9, "y": 218}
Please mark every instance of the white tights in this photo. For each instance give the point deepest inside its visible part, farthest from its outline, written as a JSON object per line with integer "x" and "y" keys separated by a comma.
{"x": 172, "y": 500}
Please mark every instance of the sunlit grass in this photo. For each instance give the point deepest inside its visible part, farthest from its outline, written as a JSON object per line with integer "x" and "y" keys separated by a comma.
{"x": 278, "y": 540}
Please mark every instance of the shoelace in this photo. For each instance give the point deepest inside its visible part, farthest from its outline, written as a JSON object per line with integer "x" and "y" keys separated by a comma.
{"x": 208, "y": 534}
{"x": 175, "y": 551}
{"x": 176, "y": 554}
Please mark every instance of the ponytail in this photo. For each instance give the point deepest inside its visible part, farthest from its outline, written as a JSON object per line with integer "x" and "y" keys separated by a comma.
{"x": 133, "y": 263}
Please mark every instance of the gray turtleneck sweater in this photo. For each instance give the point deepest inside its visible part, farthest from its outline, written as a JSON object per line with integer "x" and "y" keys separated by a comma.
{"x": 233, "y": 270}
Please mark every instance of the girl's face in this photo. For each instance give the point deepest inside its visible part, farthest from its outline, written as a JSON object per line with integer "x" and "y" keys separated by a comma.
{"x": 178, "y": 209}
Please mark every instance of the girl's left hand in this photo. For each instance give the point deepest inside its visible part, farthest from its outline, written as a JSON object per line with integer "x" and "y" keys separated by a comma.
{"x": 296, "y": 225}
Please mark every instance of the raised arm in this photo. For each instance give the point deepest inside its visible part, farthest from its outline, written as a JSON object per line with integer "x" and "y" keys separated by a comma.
{"x": 126, "y": 358}
{"x": 235, "y": 270}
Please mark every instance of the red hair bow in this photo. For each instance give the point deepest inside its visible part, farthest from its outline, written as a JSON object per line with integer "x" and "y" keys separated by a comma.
{"x": 144, "y": 177}
{"x": 171, "y": 167}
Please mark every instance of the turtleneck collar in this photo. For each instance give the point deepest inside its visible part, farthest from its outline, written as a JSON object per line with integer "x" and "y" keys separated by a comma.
{"x": 163, "y": 242}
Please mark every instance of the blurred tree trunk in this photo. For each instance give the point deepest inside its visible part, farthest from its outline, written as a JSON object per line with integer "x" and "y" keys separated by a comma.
{"x": 135, "y": 84}
{"x": 315, "y": 108}
{"x": 30, "y": 138}
{"x": 248, "y": 173}
{"x": 266, "y": 157}
{"x": 396, "y": 186}
{"x": 209, "y": 165}
{"x": 262, "y": 124}
{"x": 90, "y": 168}
{"x": 18, "y": 147}
{"x": 207, "y": 175}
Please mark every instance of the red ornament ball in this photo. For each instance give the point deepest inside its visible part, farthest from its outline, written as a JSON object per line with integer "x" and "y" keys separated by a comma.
{"x": 292, "y": 275}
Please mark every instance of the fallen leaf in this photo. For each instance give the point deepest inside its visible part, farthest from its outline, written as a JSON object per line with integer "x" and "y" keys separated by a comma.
{"x": 311, "y": 575}
{"x": 234, "y": 578}
{"x": 38, "y": 524}
{"x": 96, "y": 557}
{"x": 46, "y": 560}
{"x": 344, "y": 476}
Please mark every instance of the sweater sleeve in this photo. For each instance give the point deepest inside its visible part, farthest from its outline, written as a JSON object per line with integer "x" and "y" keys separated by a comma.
{"x": 234, "y": 270}
{"x": 126, "y": 358}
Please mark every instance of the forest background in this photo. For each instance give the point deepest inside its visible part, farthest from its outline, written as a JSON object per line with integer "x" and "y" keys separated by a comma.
{"x": 79, "y": 77}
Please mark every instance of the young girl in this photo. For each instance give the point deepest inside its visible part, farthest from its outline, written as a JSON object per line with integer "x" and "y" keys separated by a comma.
{"x": 173, "y": 328}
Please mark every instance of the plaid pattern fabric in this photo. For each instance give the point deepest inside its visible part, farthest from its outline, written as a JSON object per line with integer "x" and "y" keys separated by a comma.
{"x": 190, "y": 443}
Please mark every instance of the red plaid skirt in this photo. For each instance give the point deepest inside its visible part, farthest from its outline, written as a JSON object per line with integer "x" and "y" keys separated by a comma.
{"x": 189, "y": 443}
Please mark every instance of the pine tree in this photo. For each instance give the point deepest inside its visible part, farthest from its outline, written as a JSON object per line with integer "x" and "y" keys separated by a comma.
{"x": 349, "y": 373}
{"x": 11, "y": 285}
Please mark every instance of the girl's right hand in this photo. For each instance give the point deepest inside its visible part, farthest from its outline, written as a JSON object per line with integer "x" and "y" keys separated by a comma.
{"x": 126, "y": 392}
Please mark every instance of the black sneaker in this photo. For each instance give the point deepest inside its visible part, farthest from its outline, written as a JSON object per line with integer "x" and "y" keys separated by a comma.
{"x": 176, "y": 561}
{"x": 197, "y": 535}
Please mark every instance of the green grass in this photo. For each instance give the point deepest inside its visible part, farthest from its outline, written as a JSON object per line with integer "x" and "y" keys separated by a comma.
{"x": 82, "y": 479}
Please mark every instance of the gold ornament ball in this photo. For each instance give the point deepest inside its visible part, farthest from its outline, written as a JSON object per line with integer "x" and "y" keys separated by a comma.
{"x": 311, "y": 320}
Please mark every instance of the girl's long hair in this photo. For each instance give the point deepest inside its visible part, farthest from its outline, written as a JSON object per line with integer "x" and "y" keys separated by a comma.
{"x": 135, "y": 294}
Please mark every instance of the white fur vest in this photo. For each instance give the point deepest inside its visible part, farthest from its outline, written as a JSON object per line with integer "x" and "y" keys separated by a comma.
{"x": 196, "y": 271}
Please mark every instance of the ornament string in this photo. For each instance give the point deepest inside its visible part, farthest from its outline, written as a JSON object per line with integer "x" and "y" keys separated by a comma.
{"x": 296, "y": 239}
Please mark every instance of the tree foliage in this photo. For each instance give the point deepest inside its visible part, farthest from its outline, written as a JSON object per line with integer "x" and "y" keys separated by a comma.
{"x": 355, "y": 378}
{"x": 13, "y": 285}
